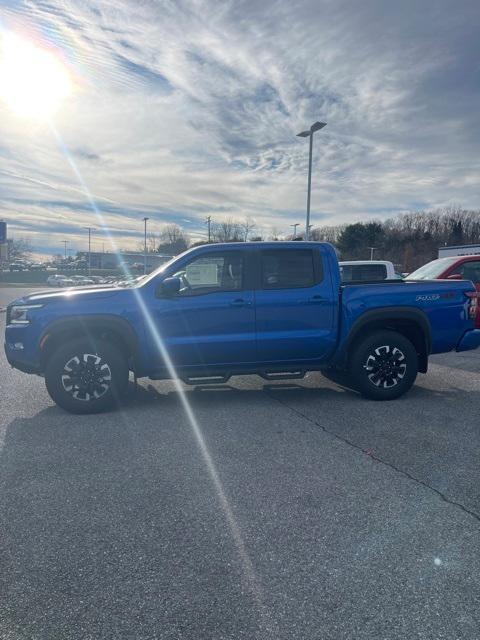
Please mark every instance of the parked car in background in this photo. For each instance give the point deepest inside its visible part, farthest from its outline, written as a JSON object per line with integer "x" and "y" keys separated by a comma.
{"x": 463, "y": 267}
{"x": 367, "y": 270}
{"x": 75, "y": 265}
{"x": 18, "y": 265}
{"x": 82, "y": 280}
{"x": 37, "y": 266}
{"x": 60, "y": 280}
{"x": 54, "y": 280}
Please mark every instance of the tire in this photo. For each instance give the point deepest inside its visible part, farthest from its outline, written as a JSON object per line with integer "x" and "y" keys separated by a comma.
{"x": 384, "y": 365}
{"x": 87, "y": 376}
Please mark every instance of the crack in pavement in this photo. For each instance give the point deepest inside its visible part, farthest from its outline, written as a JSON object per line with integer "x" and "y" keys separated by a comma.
{"x": 367, "y": 452}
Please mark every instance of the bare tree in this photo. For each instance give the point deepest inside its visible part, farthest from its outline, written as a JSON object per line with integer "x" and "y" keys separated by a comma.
{"x": 247, "y": 226}
{"x": 19, "y": 249}
{"x": 327, "y": 234}
{"x": 274, "y": 234}
{"x": 228, "y": 230}
{"x": 173, "y": 240}
{"x": 152, "y": 243}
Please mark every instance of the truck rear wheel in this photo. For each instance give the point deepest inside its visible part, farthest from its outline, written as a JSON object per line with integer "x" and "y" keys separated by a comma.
{"x": 384, "y": 365}
{"x": 86, "y": 376}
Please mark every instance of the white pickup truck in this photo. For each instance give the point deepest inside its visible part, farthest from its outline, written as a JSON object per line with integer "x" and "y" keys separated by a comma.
{"x": 367, "y": 270}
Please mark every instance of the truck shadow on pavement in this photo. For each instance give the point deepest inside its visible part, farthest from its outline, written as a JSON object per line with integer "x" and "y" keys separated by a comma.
{"x": 148, "y": 394}
{"x": 108, "y": 521}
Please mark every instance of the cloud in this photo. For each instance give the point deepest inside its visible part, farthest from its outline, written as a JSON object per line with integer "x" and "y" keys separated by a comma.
{"x": 191, "y": 108}
{"x": 85, "y": 154}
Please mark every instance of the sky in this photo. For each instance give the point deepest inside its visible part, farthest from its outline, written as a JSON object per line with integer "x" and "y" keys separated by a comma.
{"x": 178, "y": 110}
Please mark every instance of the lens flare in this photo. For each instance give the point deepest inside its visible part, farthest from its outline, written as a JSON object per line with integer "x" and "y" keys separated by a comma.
{"x": 33, "y": 81}
{"x": 267, "y": 623}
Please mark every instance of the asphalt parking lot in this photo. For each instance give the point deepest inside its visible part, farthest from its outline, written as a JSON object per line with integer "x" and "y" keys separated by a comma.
{"x": 287, "y": 510}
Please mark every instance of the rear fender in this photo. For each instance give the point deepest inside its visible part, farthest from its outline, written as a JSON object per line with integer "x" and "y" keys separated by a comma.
{"x": 413, "y": 323}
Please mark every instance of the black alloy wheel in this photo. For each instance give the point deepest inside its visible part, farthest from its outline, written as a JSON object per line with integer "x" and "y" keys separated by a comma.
{"x": 384, "y": 365}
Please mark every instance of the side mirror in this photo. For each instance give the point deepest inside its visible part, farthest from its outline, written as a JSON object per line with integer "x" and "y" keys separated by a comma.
{"x": 455, "y": 276}
{"x": 169, "y": 287}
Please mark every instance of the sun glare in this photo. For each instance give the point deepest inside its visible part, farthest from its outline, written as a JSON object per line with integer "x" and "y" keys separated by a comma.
{"x": 33, "y": 82}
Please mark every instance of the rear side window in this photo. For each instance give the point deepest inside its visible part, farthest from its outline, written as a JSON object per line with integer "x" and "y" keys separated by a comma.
{"x": 359, "y": 272}
{"x": 287, "y": 269}
{"x": 470, "y": 271}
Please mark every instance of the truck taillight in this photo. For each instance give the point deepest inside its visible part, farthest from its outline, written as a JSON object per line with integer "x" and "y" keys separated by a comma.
{"x": 473, "y": 305}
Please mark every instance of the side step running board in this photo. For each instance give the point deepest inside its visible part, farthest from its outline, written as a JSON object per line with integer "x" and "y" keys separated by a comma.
{"x": 221, "y": 379}
{"x": 206, "y": 379}
{"x": 282, "y": 375}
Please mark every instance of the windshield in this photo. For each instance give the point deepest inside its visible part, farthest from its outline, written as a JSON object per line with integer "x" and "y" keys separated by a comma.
{"x": 150, "y": 276}
{"x": 432, "y": 270}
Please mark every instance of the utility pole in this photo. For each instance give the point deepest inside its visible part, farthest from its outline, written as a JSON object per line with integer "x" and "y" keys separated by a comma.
{"x": 65, "y": 242}
{"x": 209, "y": 224}
{"x": 89, "y": 229}
{"x": 145, "y": 246}
{"x": 297, "y": 224}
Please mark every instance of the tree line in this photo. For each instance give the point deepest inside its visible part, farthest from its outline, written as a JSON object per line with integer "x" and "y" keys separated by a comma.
{"x": 172, "y": 239}
{"x": 409, "y": 240}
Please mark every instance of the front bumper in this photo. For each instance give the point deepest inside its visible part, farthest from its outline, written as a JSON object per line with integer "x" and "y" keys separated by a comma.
{"x": 18, "y": 364}
{"x": 21, "y": 348}
{"x": 14, "y": 359}
{"x": 469, "y": 340}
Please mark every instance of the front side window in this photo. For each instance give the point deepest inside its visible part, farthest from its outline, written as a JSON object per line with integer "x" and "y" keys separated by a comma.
{"x": 211, "y": 273}
{"x": 287, "y": 269}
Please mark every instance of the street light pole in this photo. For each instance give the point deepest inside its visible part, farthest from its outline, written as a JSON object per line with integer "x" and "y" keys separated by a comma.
{"x": 372, "y": 249}
{"x": 316, "y": 126}
{"x": 297, "y": 224}
{"x": 309, "y": 189}
{"x": 145, "y": 246}
{"x": 65, "y": 242}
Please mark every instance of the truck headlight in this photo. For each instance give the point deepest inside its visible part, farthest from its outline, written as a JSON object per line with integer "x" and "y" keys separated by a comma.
{"x": 19, "y": 313}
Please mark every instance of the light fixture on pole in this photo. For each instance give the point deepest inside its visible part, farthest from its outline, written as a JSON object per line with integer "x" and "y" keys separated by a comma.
{"x": 316, "y": 126}
{"x": 89, "y": 229}
{"x": 297, "y": 224}
{"x": 145, "y": 246}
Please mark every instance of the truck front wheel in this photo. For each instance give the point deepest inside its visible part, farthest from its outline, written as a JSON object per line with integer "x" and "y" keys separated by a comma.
{"x": 384, "y": 365}
{"x": 86, "y": 376}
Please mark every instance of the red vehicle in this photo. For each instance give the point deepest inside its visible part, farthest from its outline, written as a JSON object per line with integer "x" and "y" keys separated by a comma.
{"x": 451, "y": 268}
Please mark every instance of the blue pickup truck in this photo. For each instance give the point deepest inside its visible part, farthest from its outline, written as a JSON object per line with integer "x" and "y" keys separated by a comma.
{"x": 274, "y": 309}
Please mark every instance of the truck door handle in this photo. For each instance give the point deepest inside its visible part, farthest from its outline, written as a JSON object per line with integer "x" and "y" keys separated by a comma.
{"x": 315, "y": 299}
{"x": 240, "y": 302}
